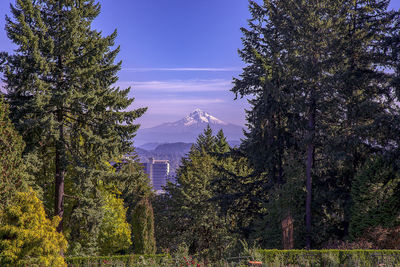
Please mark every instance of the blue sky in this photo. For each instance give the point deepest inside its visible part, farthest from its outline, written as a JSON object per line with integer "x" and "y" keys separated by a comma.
{"x": 177, "y": 55}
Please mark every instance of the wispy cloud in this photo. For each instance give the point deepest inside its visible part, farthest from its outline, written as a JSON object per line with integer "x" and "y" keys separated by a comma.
{"x": 182, "y": 69}
{"x": 179, "y": 85}
{"x": 184, "y": 101}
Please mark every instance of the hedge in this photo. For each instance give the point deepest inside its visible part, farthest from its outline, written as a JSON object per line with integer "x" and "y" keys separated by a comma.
{"x": 330, "y": 257}
{"x": 120, "y": 260}
{"x": 269, "y": 258}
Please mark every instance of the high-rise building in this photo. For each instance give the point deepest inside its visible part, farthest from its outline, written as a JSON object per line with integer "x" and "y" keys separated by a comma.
{"x": 158, "y": 171}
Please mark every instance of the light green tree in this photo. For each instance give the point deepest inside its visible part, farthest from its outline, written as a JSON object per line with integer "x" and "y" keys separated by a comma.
{"x": 115, "y": 232}
{"x": 27, "y": 236}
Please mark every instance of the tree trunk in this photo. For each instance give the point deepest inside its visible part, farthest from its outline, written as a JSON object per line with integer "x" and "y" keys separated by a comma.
{"x": 60, "y": 173}
{"x": 310, "y": 161}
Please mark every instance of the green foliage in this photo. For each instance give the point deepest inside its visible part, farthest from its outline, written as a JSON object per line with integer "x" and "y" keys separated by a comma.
{"x": 189, "y": 211}
{"x": 315, "y": 82}
{"x": 27, "y": 236}
{"x": 237, "y": 194}
{"x": 376, "y": 197}
{"x": 143, "y": 228}
{"x": 115, "y": 232}
{"x": 60, "y": 87}
{"x": 283, "y": 201}
{"x": 330, "y": 257}
{"x": 131, "y": 180}
{"x": 123, "y": 260}
{"x": 273, "y": 258}
{"x": 11, "y": 162}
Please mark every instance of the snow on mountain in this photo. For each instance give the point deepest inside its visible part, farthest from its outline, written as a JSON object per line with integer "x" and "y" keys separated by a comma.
{"x": 187, "y": 129}
{"x": 199, "y": 116}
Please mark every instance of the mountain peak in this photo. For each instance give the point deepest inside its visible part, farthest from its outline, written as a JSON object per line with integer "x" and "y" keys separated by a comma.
{"x": 200, "y": 116}
{"x": 197, "y": 110}
{"x": 187, "y": 129}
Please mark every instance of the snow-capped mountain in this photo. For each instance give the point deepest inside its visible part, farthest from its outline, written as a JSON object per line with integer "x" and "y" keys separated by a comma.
{"x": 196, "y": 117}
{"x": 187, "y": 129}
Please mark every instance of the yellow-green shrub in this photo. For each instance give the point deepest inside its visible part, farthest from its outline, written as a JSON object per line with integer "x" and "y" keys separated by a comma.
{"x": 27, "y": 237}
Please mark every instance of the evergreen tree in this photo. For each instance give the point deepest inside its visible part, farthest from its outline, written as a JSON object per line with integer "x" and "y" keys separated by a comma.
{"x": 288, "y": 61}
{"x": 237, "y": 193}
{"x": 206, "y": 141}
{"x": 314, "y": 71}
{"x": 195, "y": 217}
{"x": 143, "y": 228}
{"x": 11, "y": 163}
{"x": 221, "y": 145}
{"x": 133, "y": 183}
{"x": 60, "y": 88}
{"x": 376, "y": 197}
{"x": 363, "y": 124}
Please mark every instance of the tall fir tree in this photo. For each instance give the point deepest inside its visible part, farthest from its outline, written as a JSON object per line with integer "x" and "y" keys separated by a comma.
{"x": 315, "y": 73}
{"x": 60, "y": 86}
{"x": 195, "y": 216}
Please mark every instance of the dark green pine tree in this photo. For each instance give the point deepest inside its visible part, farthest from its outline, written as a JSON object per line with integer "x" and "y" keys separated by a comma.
{"x": 375, "y": 197}
{"x": 287, "y": 52}
{"x": 60, "y": 86}
{"x": 315, "y": 76}
{"x": 195, "y": 218}
{"x": 364, "y": 121}
{"x": 266, "y": 79}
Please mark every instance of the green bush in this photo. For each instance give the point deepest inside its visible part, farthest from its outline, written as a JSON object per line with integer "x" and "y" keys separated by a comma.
{"x": 330, "y": 257}
{"x": 120, "y": 260}
{"x": 270, "y": 258}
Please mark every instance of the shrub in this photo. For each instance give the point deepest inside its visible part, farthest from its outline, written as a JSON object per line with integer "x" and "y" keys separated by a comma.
{"x": 27, "y": 237}
{"x": 122, "y": 260}
{"x": 330, "y": 257}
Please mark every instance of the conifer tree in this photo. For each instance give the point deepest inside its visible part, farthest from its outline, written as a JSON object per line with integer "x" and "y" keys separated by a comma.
{"x": 314, "y": 69}
{"x": 205, "y": 141}
{"x": 11, "y": 162}
{"x": 195, "y": 217}
{"x": 288, "y": 60}
{"x": 143, "y": 228}
{"x": 375, "y": 197}
{"x": 221, "y": 145}
{"x": 60, "y": 86}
